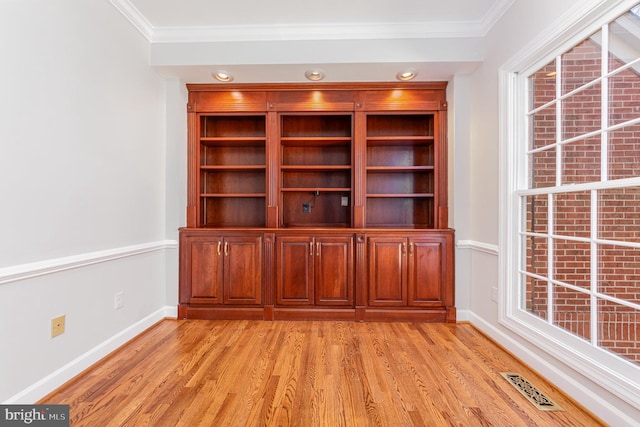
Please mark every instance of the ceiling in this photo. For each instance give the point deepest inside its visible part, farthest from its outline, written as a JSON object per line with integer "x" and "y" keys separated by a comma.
{"x": 362, "y": 40}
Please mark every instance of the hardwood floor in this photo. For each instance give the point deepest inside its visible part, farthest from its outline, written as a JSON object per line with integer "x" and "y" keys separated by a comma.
{"x": 256, "y": 373}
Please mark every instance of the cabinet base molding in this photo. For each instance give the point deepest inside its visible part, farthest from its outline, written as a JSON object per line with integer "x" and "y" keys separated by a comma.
{"x": 185, "y": 311}
{"x": 347, "y": 314}
{"x": 270, "y": 313}
{"x": 405, "y": 315}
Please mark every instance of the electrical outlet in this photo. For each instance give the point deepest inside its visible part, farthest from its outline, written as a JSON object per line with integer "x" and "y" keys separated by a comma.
{"x": 119, "y": 300}
{"x": 494, "y": 294}
{"x": 344, "y": 201}
{"x": 306, "y": 208}
{"x": 57, "y": 326}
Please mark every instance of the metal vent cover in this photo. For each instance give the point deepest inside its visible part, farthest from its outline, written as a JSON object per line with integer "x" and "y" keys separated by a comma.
{"x": 530, "y": 392}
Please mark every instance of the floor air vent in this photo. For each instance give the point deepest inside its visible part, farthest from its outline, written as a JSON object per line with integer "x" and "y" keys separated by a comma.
{"x": 532, "y": 394}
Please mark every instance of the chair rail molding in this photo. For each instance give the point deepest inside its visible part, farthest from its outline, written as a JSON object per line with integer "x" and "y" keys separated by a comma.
{"x": 40, "y": 268}
{"x": 478, "y": 246}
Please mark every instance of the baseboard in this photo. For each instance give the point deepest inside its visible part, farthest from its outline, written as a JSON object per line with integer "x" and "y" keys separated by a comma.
{"x": 57, "y": 378}
{"x": 171, "y": 312}
{"x": 463, "y": 316}
{"x": 563, "y": 379}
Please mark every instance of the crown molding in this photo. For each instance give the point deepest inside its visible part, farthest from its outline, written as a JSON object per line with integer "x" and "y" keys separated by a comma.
{"x": 350, "y": 31}
{"x": 134, "y": 16}
{"x": 494, "y": 14}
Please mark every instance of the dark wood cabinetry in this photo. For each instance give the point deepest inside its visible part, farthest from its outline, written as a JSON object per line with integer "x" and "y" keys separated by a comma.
{"x": 314, "y": 271}
{"x": 220, "y": 269}
{"x": 317, "y": 201}
{"x": 410, "y": 272}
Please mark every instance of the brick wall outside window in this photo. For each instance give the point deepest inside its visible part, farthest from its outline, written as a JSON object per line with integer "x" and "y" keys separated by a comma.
{"x": 618, "y": 217}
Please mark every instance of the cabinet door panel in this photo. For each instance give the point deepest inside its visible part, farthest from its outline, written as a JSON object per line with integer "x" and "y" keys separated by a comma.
{"x": 206, "y": 272}
{"x": 387, "y": 271}
{"x": 425, "y": 272}
{"x": 334, "y": 271}
{"x": 295, "y": 271}
{"x": 243, "y": 270}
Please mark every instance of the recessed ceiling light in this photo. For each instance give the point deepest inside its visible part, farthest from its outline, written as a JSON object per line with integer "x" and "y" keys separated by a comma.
{"x": 314, "y": 75}
{"x": 406, "y": 75}
{"x": 222, "y": 76}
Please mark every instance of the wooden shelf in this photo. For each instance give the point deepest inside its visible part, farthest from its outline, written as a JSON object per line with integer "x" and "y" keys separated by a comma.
{"x": 232, "y": 141}
{"x": 317, "y": 225}
{"x": 314, "y": 189}
{"x": 232, "y": 168}
{"x": 399, "y": 140}
{"x": 399, "y": 195}
{"x": 407, "y": 169}
{"x": 320, "y": 168}
{"x": 229, "y": 195}
{"x": 399, "y": 226}
{"x": 314, "y": 141}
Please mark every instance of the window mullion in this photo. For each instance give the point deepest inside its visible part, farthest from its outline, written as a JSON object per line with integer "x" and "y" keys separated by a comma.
{"x": 550, "y": 258}
{"x": 550, "y": 212}
{"x": 604, "y": 104}
{"x": 558, "y": 121}
{"x": 604, "y": 176}
{"x": 594, "y": 267}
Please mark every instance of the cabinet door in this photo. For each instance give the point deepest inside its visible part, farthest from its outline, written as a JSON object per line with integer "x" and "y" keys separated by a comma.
{"x": 294, "y": 261}
{"x": 425, "y": 272}
{"x": 334, "y": 271}
{"x": 206, "y": 271}
{"x": 387, "y": 271}
{"x": 242, "y": 270}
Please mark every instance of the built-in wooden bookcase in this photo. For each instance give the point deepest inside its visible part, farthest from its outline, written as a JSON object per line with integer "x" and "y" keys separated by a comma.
{"x": 316, "y": 170}
{"x": 232, "y": 171}
{"x": 324, "y": 201}
{"x": 400, "y": 171}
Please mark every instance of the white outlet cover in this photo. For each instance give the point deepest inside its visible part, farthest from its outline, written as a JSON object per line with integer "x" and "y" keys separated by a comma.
{"x": 119, "y": 300}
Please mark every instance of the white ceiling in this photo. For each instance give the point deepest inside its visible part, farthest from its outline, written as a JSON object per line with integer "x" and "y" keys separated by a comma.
{"x": 192, "y": 38}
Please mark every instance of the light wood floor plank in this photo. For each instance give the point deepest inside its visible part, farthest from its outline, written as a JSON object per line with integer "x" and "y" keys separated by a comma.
{"x": 254, "y": 373}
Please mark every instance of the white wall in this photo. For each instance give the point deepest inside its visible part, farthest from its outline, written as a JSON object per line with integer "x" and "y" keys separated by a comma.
{"x": 177, "y": 97}
{"x": 524, "y": 21}
{"x": 459, "y": 140}
{"x": 82, "y": 180}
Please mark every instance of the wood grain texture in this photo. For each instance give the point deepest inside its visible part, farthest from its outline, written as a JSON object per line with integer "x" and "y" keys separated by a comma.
{"x": 284, "y": 373}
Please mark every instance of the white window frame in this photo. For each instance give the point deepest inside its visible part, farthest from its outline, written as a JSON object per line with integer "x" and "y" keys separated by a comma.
{"x": 619, "y": 376}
